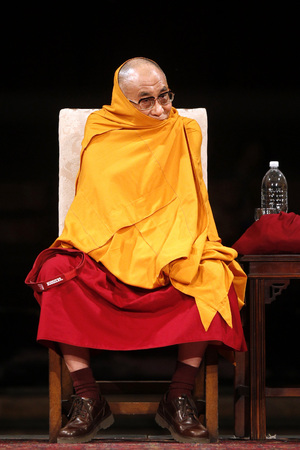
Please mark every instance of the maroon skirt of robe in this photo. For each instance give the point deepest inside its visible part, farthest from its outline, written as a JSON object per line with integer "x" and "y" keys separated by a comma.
{"x": 94, "y": 309}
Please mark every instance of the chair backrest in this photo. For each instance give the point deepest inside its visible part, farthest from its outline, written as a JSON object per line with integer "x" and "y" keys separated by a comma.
{"x": 71, "y": 130}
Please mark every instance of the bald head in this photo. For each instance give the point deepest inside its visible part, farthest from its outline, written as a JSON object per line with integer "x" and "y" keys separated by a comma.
{"x": 141, "y": 78}
{"x": 135, "y": 69}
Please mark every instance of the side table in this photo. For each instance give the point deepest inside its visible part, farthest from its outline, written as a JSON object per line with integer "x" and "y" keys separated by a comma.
{"x": 268, "y": 275}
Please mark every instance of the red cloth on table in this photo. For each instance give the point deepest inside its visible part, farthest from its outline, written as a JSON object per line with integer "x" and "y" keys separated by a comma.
{"x": 96, "y": 310}
{"x": 271, "y": 234}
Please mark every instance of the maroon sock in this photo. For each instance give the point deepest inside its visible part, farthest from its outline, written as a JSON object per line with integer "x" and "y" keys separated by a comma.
{"x": 84, "y": 383}
{"x": 183, "y": 380}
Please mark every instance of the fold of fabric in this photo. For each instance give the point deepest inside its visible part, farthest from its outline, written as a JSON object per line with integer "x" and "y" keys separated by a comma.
{"x": 271, "y": 234}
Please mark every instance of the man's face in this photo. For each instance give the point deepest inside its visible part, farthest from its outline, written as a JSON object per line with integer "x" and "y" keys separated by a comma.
{"x": 148, "y": 81}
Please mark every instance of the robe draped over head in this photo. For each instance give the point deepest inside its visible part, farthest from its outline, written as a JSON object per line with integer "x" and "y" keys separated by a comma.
{"x": 141, "y": 207}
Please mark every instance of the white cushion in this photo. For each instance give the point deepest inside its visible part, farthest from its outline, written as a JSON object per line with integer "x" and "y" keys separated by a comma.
{"x": 71, "y": 131}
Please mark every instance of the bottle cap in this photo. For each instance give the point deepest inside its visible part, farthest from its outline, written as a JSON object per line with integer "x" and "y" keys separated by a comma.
{"x": 274, "y": 164}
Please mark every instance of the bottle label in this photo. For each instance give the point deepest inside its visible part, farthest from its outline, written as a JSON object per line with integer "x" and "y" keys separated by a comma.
{"x": 274, "y": 198}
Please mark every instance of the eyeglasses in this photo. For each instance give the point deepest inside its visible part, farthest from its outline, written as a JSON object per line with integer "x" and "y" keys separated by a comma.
{"x": 148, "y": 103}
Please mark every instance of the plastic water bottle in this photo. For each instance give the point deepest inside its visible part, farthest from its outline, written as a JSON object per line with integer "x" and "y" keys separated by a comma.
{"x": 274, "y": 189}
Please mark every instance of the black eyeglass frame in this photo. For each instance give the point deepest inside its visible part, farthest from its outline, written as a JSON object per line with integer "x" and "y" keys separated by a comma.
{"x": 153, "y": 99}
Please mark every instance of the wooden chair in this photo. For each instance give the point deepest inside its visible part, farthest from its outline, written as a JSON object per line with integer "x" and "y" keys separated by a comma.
{"x": 124, "y": 396}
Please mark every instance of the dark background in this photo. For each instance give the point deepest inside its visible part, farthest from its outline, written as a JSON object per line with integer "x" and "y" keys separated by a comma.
{"x": 240, "y": 63}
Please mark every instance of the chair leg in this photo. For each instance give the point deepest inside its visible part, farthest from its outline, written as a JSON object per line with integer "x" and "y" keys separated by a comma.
{"x": 212, "y": 394}
{"x": 55, "y": 395}
{"x": 60, "y": 388}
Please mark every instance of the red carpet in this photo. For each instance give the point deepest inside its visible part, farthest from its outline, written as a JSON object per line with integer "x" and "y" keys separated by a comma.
{"x": 123, "y": 445}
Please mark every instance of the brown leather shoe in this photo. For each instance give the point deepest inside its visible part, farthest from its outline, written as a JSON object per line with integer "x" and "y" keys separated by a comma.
{"x": 180, "y": 417}
{"x": 87, "y": 416}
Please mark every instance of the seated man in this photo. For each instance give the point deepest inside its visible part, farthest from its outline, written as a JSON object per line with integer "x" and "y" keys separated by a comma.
{"x": 139, "y": 263}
